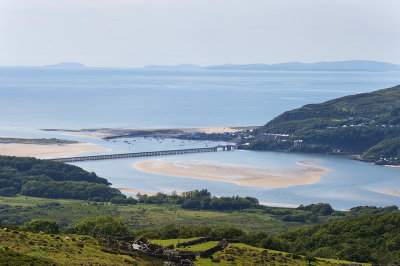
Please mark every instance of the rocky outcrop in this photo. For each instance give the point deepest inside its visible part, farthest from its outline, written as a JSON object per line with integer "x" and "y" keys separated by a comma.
{"x": 171, "y": 255}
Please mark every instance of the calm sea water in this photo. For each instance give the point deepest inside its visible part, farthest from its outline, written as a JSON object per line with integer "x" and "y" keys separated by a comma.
{"x": 52, "y": 98}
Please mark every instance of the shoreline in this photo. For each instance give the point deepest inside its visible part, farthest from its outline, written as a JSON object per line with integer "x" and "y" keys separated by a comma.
{"x": 162, "y": 132}
{"x": 244, "y": 176}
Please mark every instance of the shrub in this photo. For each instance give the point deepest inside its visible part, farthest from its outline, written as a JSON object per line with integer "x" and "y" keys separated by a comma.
{"x": 45, "y": 225}
{"x": 104, "y": 225}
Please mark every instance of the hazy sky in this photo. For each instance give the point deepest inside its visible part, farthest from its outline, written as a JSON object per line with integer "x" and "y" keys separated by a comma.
{"x": 204, "y": 32}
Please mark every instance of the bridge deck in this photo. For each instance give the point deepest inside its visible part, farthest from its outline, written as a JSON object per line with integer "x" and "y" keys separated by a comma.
{"x": 143, "y": 154}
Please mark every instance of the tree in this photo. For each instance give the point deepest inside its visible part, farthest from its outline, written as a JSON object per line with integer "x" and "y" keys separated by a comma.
{"x": 310, "y": 258}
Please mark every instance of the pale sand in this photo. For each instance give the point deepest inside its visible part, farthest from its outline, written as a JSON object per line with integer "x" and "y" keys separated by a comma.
{"x": 276, "y": 204}
{"x": 245, "y": 176}
{"x": 47, "y": 151}
{"x": 390, "y": 165}
{"x": 96, "y": 135}
{"x": 390, "y": 192}
{"x": 136, "y": 191}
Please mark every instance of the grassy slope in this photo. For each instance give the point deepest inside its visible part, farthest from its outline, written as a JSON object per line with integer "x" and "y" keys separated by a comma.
{"x": 19, "y": 247}
{"x": 242, "y": 254}
{"x": 25, "y": 248}
{"x": 22, "y": 209}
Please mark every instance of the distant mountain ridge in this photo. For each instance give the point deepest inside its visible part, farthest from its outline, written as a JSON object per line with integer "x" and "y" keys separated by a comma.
{"x": 353, "y": 65}
{"x": 66, "y": 65}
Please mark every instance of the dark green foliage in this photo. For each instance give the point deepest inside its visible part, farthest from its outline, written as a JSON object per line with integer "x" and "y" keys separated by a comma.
{"x": 123, "y": 200}
{"x": 369, "y": 210}
{"x": 202, "y": 200}
{"x": 174, "y": 231}
{"x": 370, "y": 238}
{"x": 103, "y": 225}
{"x": 69, "y": 190}
{"x": 45, "y": 225}
{"x": 310, "y": 258}
{"x": 389, "y": 148}
{"x": 351, "y": 124}
{"x": 317, "y": 209}
{"x": 49, "y": 179}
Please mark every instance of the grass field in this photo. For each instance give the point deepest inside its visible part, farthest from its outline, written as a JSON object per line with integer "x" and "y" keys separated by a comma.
{"x": 18, "y": 210}
{"x": 18, "y": 247}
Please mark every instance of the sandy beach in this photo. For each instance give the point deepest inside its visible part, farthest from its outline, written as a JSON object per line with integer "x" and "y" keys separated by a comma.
{"x": 245, "y": 176}
{"x": 47, "y": 151}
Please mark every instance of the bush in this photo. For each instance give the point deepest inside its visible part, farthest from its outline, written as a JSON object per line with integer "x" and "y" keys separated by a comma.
{"x": 104, "y": 225}
{"x": 45, "y": 225}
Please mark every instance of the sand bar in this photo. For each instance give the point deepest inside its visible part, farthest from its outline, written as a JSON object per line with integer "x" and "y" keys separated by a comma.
{"x": 390, "y": 192}
{"x": 245, "y": 176}
{"x": 47, "y": 151}
{"x": 136, "y": 191}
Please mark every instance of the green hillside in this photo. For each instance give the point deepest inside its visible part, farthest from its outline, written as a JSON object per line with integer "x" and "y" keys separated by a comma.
{"x": 347, "y": 125}
{"x": 370, "y": 238}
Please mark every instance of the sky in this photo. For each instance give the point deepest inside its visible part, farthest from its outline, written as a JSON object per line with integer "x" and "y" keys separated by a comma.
{"x": 133, "y": 33}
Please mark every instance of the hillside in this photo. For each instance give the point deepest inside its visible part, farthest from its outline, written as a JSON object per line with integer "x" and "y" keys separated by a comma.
{"x": 371, "y": 238}
{"x": 107, "y": 241}
{"x": 348, "y": 125}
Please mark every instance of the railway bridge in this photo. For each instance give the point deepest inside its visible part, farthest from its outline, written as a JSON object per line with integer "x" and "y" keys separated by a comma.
{"x": 144, "y": 154}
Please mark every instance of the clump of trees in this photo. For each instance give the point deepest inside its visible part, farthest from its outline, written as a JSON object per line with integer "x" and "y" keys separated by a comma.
{"x": 202, "y": 200}
{"x": 50, "y": 179}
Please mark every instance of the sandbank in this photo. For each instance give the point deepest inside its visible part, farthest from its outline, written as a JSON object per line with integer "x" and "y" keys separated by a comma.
{"x": 390, "y": 192}
{"x": 47, "y": 151}
{"x": 136, "y": 191}
{"x": 244, "y": 176}
{"x": 391, "y": 165}
{"x": 276, "y": 204}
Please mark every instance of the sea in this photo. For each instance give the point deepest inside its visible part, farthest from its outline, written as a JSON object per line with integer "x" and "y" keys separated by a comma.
{"x": 41, "y": 98}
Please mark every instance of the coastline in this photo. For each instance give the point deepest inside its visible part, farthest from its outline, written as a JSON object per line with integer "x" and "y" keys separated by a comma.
{"x": 47, "y": 151}
{"x": 243, "y": 176}
{"x": 162, "y": 132}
